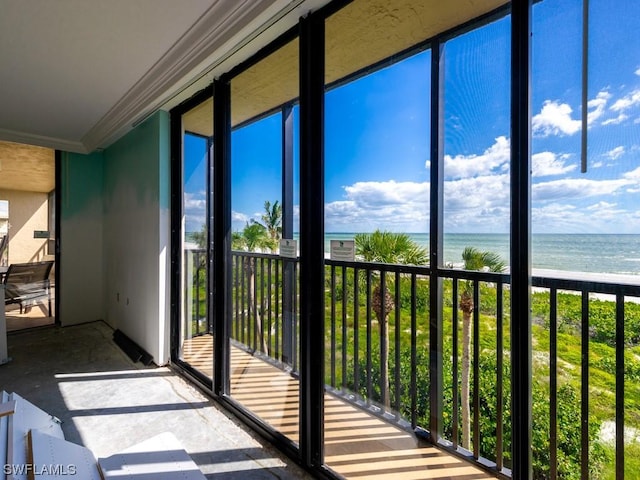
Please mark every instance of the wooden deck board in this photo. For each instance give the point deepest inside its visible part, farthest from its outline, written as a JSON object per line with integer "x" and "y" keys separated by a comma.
{"x": 357, "y": 445}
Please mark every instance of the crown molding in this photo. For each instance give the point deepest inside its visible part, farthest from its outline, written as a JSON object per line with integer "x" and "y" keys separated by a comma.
{"x": 42, "y": 141}
{"x": 220, "y": 23}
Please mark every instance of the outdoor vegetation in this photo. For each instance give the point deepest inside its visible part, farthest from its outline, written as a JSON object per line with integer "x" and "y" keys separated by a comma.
{"x": 601, "y": 364}
{"x": 372, "y": 369}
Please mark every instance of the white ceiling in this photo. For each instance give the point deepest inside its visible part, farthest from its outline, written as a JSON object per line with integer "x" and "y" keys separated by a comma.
{"x": 75, "y": 75}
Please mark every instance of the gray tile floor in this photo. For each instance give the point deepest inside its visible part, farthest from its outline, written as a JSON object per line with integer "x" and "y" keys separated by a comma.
{"x": 107, "y": 403}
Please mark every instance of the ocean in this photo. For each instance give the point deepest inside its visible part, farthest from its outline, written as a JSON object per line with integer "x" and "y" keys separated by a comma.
{"x": 596, "y": 253}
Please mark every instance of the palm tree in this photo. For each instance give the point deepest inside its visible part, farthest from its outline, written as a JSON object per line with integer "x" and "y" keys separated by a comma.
{"x": 253, "y": 237}
{"x": 272, "y": 222}
{"x": 395, "y": 248}
{"x": 474, "y": 259}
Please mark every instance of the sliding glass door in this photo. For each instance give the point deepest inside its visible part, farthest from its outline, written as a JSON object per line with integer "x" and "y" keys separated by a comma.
{"x": 195, "y": 329}
{"x": 263, "y": 314}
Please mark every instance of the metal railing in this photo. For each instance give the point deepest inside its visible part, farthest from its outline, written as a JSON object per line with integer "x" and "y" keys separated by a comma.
{"x": 265, "y": 306}
{"x": 610, "y": 324}
{"x": 377, "y": 344}
{"x": 199, "y": 323}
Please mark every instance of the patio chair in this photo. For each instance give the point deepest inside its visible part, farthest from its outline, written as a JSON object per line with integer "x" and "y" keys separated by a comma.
{"x": 26, "y": 284}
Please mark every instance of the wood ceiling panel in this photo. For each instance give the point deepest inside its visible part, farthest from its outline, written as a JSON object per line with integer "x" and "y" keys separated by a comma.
{"x": 28, "y": 168}
{"x": 357, "y": 36}
{"x": 199, "y": 119}
{"x": 268, "y": 84}
{"x": 368, "y": 31}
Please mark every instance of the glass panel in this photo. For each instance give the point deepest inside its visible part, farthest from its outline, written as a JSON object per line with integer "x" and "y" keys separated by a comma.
{"x": 556, "y": 63}
{"x": 377, "y": 158}
{"x": 263, "y": 324}
{"x": 196, "y": 331}
{"x": 476, "y": 235}
{"x": 26, "y": 233}
{"x": 586, "y": 229}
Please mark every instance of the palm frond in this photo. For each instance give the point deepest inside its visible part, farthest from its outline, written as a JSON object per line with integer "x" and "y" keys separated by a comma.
{"x": 389, "y": 247}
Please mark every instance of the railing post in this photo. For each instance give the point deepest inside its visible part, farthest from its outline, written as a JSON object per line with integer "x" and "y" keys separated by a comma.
{"x": 620, "y": 345}
{"x": 521, "y": 239}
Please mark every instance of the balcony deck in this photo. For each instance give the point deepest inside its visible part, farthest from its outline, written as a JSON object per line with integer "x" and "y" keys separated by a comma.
{"x": 357, "y": 444}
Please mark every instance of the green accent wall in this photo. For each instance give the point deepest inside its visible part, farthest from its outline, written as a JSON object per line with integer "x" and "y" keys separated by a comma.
{"x": 114, "y": 232}
{"x": 81, "y": 263}
{"x": 136, "y": 234}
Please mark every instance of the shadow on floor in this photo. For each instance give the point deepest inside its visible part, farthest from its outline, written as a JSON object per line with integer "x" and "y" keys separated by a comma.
{"x": 108, "y": 403}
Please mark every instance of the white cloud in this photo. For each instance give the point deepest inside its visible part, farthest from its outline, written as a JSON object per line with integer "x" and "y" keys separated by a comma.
{"x": 375, "y": 194}
{"x": 637, "y": 72}
{"x": 556, "y": 217}
{"x": 477, "y": 204}
{"x": 596, "y": 106}
{"x": 545, "y": 164}
{"x": 396, "y": 206}
{"x": 471, "y": 204}
{"x": 575, "y": 188}
{"x": 564, "y": 218}
{"x": 554, "y": 119}
{"x": 195, "y": 210}
{"x": 482, "y": 204}
{"x": 615, "y": 153}
{"x": 633, "y": 175}
{"x": 601, "y": 206}
{"x": 477, "y": 197}
{"x": 616, "y": 120}
{"x": 626, "y": 102}
{"x": 604, "y": 214}
{"x": 195, "y": 201}
{"x": 559, "y": 206}
{"x": 239, "y": 217}
{"x": 601, "y": 217}
{"x": 464, "y": 166}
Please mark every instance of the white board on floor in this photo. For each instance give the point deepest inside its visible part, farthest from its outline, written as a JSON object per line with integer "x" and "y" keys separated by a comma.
{"x": 55, "y": 458}
{"x": 160, "y": 458}
{"x": 26, "y": 417}
{"x": 7, "y": 407}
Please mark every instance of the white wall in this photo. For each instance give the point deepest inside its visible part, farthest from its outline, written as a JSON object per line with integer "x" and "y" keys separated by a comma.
{"x": 136, "y": 236}
{"x": 28, "y": 211}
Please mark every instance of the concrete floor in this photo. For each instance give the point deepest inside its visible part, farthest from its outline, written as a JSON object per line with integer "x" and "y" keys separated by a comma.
{"x": 107, "y": 403}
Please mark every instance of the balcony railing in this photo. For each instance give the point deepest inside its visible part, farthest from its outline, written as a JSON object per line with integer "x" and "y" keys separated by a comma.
{"x": 378, "y": 352}
{"x": 265, "y": 306}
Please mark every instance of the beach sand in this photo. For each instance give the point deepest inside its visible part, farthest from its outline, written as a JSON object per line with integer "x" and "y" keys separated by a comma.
{"x": 591, "y": 277}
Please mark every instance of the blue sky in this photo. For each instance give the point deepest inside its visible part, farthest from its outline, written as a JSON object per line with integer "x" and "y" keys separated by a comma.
{"x": 377, "y": 136}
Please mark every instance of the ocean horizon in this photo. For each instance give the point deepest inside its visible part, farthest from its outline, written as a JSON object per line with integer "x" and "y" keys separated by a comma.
{"x": 593, "y": 253}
